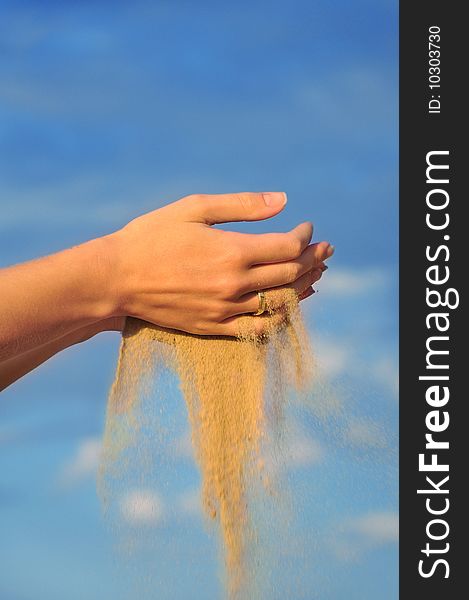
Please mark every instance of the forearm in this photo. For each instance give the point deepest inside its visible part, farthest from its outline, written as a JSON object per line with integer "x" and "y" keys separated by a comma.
{"x": 49, "y": 298}
{"x": 17, "y": 366}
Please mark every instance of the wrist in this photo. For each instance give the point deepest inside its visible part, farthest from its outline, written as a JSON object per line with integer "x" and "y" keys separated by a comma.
{"x": 100, "y": 256}
{"x": 118, "y": 274}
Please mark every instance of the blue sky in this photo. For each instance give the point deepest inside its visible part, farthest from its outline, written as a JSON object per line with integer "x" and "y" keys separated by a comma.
{"x": 110, "y": 109}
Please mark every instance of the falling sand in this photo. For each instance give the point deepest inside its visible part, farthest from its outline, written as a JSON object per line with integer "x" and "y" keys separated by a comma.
{"x": 235, "y": 390}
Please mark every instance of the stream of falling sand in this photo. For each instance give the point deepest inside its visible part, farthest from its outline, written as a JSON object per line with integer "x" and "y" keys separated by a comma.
{"x": 235, "y": 390}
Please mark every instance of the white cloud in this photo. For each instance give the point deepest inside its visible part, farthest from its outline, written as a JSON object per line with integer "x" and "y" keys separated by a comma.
{"x": 142, "y": 507}
{"x": 339, "y": 356}
{"x": 365, "y": 433}
{"x": 333, "y": 357}
{"x": 356, "y": 282}
{"x": 297, "y": 450}
{"x": 83, "y": 464}
{"x": 303, "y": 451}
{"x": 363, "y": 534}
{"x": 377, "y": 527}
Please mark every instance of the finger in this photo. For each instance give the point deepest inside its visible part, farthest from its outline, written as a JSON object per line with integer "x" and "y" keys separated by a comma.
{"x": 306, "y": 294}
{"x": 249, "y": 303}
{"x": 259, "y": 326}
{"x": 277, "y": 247}
{"x": 261, "y": 277}
{"x": 223, "y": 208}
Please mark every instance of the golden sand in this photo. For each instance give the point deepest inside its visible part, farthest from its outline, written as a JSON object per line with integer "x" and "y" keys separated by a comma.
{"x": 235, "y": 390}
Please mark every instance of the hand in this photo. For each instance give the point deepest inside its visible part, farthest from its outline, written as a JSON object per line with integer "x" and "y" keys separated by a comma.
{"x": 173, "y": 269}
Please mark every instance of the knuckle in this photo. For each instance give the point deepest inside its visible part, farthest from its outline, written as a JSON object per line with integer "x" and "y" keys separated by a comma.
{"x": 292, "y": 273}
{"x": 190, "y": 199}
{"x": 295, "y": 247}
{"x": 235, "y": 254}
{"x": 228, "y": 287}
{"x": 246, "y": 201}
{"x": 195, "y": 200}
{"x": 235, "y": 288}
{"x": 189, "y": 203}
{"x": 218, "y": 312}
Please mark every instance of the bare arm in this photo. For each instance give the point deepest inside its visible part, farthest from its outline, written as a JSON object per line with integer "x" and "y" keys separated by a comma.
{"x": 16, "y": 367}
{"x": 46, "y": 299}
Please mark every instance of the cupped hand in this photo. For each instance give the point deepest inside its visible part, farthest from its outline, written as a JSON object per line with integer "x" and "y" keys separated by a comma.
{"x": 171, "y": 267}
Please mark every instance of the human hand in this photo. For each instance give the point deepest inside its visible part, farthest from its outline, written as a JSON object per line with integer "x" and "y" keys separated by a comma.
{"x": 172, "y": 268}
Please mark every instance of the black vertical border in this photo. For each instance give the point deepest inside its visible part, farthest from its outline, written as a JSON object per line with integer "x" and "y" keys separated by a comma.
{"x": 421, "y": 132}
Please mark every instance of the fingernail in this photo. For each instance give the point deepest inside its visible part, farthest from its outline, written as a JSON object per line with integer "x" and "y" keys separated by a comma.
{"x": 330, "y": 251}
{"x": 307, "y": 293}
{"x": 275, "y": 198}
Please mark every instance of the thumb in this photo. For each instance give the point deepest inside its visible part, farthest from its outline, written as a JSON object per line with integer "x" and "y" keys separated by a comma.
{"x": 223, "y": 208}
